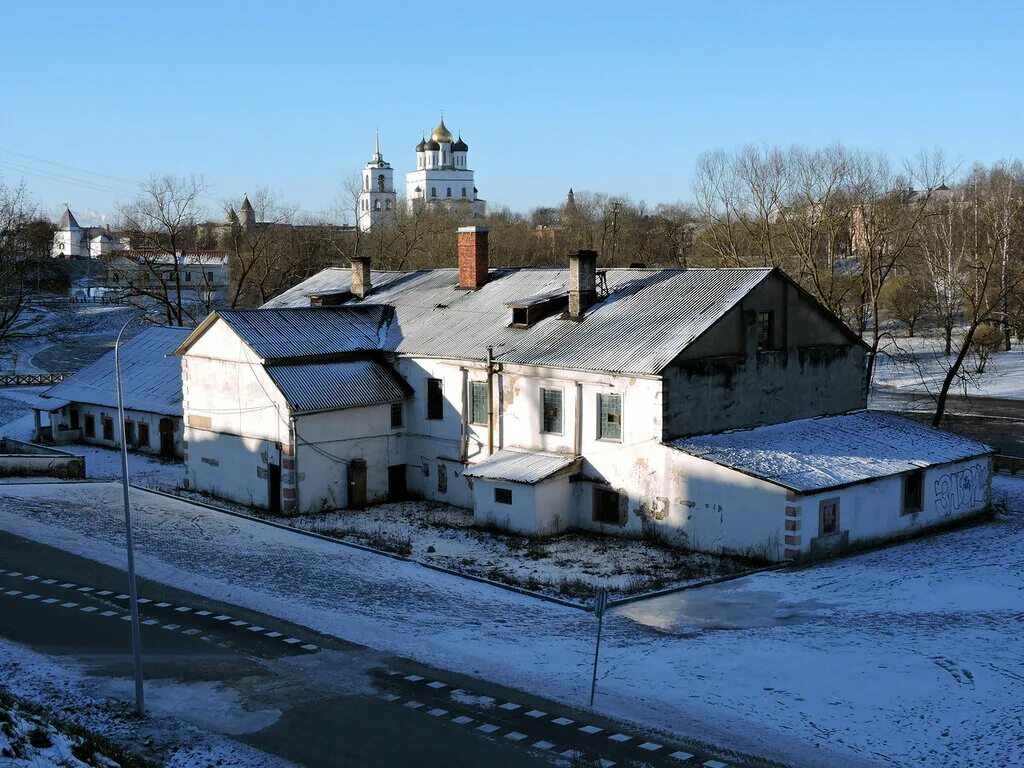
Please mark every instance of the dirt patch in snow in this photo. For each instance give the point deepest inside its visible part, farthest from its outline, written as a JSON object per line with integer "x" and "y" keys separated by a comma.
{"x": 571, "y": 566}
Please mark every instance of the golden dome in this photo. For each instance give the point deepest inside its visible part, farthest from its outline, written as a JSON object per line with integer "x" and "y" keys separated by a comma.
{"x": 441, "y": 134}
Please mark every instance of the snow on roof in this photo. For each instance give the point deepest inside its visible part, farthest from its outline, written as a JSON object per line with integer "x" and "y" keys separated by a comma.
{"x": 521, "y": 466}
{"x": 647, "y": 318}
{"x": 278, "y": 334}
{"x": 831, "y": 451}
{"x": 313, "y": 387}
{"x": 150, "y": 375}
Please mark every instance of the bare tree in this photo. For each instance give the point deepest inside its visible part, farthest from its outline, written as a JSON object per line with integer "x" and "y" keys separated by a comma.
{"x": 16, "y": 212}
{"x": 161, "y": 224}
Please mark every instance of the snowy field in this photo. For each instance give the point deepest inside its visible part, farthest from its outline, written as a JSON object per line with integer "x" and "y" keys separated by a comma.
{"x": 909, "y": 655}
{"x": 68, "y": 692}
{"x": 918, "y": 364}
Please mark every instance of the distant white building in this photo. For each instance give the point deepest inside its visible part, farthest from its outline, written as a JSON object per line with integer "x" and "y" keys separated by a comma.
{"x": 442, "y": 175}
{"x": 377, "y": 197}
{"x": 73, "y": 241}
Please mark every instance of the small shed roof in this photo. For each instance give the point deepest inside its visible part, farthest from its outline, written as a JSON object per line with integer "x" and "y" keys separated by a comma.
{"x": 811, "y": 455}
{"x": 517, "y": 465}
{"x": 314, "y": 387}
{"x": 150, "y": 375}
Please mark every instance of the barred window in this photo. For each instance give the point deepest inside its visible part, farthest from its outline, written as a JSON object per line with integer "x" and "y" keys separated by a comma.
{"x": 478, "y": 399}
{"x": 551, "y": 405}
{"x": 609, "y": 417}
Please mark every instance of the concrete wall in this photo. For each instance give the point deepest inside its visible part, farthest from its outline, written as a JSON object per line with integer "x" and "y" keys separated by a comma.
{"x": 22, "y": 459}
{"x": 723, "y": 382}
{"x": 325, "y": 444}
{"x": 873, "y": 511}
{"x": 544, "y": 509}
{"x": 236, "y": 422}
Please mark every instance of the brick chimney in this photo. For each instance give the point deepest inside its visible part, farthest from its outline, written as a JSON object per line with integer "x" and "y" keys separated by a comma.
{"x": 582, "y": 282}
{"x": 472, "y": 257}
{"x": 360, "y": 285}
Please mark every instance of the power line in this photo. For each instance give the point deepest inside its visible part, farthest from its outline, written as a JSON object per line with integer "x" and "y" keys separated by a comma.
{"x": 68, "y": 167}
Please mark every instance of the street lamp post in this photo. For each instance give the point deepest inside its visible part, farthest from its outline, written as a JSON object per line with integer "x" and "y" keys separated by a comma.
{"x": 132, "y": 593}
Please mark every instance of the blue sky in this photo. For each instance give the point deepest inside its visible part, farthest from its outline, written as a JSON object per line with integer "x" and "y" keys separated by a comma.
{"x": 618, "y": 97}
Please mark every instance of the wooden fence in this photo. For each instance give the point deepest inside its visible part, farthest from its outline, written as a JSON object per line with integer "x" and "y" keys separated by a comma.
{"x": 30, "y": 379}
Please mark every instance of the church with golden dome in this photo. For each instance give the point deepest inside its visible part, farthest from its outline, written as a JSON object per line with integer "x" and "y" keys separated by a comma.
{"x": 442, "y": 175}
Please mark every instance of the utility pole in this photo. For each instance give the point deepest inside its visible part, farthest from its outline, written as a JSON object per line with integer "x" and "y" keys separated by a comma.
{"x": 140, "y": 708}
{"x": 600, "y": 602}
{"x": 615, "y": 223}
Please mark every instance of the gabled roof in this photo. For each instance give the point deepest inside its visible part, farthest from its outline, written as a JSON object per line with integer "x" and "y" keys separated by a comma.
{"x": 67, "y": 221}
{"x": 517, "y": 465}
{"x": 645, "y": 321}
{"x": 811, "y": 455}
{"x": 150, "y": 375}
{"x": 314, "y": 387}
{"x": 295, "y": 334}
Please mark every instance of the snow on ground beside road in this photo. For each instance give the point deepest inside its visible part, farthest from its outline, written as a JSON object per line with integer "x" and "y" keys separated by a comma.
{"x": 912, "y": 654}
{"x": 69, "y": 692}
{"x": 918, "y": 364}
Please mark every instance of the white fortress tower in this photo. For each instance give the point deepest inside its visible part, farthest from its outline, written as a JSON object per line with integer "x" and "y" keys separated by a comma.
{"x": 442, "y": 176}
{"x": 377, "y": 197}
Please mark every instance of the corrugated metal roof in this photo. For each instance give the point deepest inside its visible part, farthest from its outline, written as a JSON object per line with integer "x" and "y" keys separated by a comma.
{"x": 150, "y": 375}
{"x": 822, "y": 453}
{"x": 276, "y": 334}
{"x": 312, "y": 387}
{"x": 648, "y": 317}
{"x": 521, "y": 466}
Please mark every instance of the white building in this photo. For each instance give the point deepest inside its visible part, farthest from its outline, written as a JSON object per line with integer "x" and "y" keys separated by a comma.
{"x": 72, "y": 241}
{"x": 377, "y": 197}
{"x": 442, "y": 175}
{"x": 549, "y": 399}
{"x": 83, "y": 407}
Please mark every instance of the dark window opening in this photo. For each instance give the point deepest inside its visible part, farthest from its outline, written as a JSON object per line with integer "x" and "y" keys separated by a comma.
{"x": 129, "y": 431}
{"x": 396, "y": 415}
{"x": 765, "y": 330}
{"x": 606, "y": 506}
{"x": 435, "y": 400}
{"x": 913, "y": 491}
{"x": 551, "y": 404}
{"x": 829, "y": 517}
{"x": 609, "y": 417}
{"x": 108, "y": 428}
{"x": 502, "y": 495}
{"x": 521, "y": 316}
{"x": 144, "y": 434}
{"x": 478, "y": 399}
{"x": 90, "y": 425}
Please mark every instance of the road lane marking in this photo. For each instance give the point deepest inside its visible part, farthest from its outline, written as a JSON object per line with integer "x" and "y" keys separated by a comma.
{"x": 511, "y": 705}
{"x": 563, "y": 721}
{"x": 462, "y": 720}
{"x": 310, "y": 647}
{"x": 542, "y": 744}
{"x": 536, "y": 713}
{"x": 68, "y": 605}
{"x": 33, "y": 596}
{"x": 591, "y": 729}
{"x": 437, "y": 712}
{"x": 515, "y": 736}
{"x": 620, "y": 737}
{"x": 650, "y": 746}
{"x": 89, "y": 609}
{"x": 681, "y": 756}
{"x": 413, "y": 704}
{"x": 437, "y": 684}
{"x": 488, "y": 728}
{"x": 109, "y": 613}
{"x": 410, "y": 678}
{"x": 50, "y": 600}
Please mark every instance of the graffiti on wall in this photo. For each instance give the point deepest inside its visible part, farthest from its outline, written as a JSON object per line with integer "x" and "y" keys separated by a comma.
{"x": 962, "y": 490}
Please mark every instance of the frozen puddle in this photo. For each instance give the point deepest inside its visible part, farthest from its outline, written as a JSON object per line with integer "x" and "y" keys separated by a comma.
{"x": 720, "y": 606}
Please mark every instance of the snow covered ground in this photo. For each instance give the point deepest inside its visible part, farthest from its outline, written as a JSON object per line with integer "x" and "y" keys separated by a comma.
{"x": 918, "y": 364}
{"x": 70, "y": 693}
{"x": 909, "y": 655}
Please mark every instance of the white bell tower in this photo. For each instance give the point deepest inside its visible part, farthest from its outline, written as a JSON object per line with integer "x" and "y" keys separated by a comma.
{"x": 377, "y": 198}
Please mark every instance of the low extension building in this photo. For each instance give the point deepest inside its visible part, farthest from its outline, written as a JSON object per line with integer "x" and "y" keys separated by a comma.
{"x": 715, "y": 408}
{"x": 83, "y": 407}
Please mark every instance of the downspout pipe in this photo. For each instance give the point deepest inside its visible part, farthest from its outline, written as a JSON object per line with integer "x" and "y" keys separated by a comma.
{"x": 490, "y": 401}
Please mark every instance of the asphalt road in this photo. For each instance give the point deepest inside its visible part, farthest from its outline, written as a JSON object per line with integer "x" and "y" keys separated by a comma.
{"x": 994, "y": 420}
{"x": 311, "y": 699}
